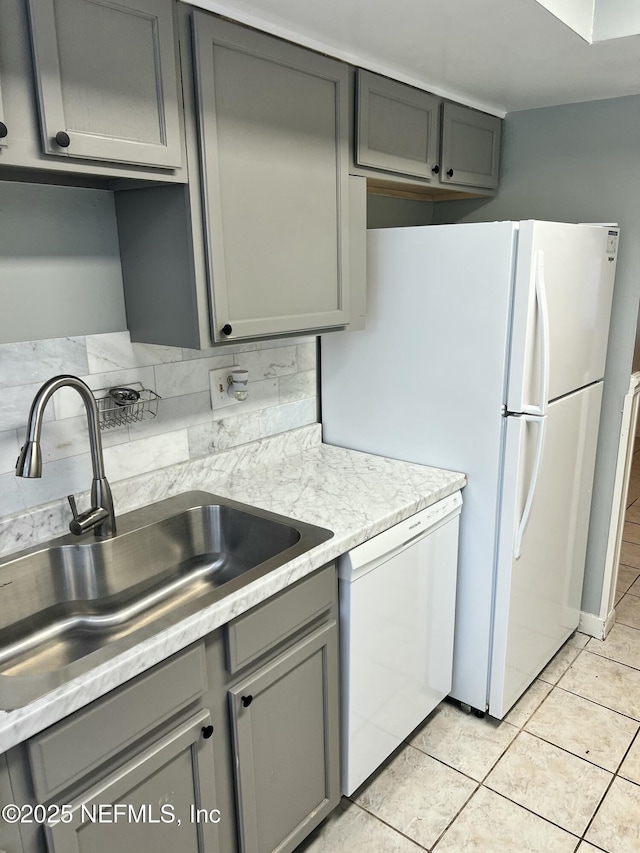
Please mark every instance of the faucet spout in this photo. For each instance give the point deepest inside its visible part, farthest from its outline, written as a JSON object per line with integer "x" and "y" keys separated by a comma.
{"x": 101, "y": 516}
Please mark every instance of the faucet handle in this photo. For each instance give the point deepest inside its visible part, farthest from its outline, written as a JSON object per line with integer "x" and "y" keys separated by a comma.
{"x": 72, "y": 504}
{"x": 86, "y": 520}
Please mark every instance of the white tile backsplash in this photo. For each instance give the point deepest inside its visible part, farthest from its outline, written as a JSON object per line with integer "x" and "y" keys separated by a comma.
{"x": 288, "y": 416}
{"x": 115, "y": 351}
{"x": 59, "y": 478}
{"x": 35, "y": 361}
{"x": 15, "y": 404}
{"x": 282, "y": 397}
{"x": 9, "y": 449}
{"x": 224, "y": 433}
{"x": 306, "y": 355}
{"x": 188, "y": 377}
{"x": 11, "y": 499}
{"x": 298, "y": 386}
{"x": 146, "y": 454}
{"x": 269, "y": 363}
{"x": 176, "y": 413}
{"x": 70, "y": 437}
{"x": 226, "y": 349}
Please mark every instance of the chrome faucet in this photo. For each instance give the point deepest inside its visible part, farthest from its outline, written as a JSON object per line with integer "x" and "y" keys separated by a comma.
{"x": 101, "y": 517}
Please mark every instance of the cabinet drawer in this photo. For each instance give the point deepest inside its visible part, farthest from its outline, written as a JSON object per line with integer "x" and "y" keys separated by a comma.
{"x": 70, "y": 749}
{"x": 251, "y": 635}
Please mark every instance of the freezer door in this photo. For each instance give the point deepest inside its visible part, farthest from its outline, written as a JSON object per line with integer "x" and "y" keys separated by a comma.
{"x": 561, "y": 311}
{"x": 537, "y": 596}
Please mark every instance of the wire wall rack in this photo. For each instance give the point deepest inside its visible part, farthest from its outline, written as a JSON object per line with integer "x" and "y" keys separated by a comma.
{"x": 121, "y": 406}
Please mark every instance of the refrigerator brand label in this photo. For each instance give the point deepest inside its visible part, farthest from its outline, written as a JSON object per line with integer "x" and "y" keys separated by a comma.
{"x": 612, "y": 245}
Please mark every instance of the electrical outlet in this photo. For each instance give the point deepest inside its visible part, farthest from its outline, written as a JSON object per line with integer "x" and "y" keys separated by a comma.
{"x": 218, "y": 385}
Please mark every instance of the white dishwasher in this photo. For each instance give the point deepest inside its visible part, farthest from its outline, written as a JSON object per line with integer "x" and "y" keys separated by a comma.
{"x": 397, "y": 612}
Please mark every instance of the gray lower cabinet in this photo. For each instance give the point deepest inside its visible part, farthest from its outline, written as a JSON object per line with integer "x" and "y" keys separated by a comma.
{"x": 280, "y": 670}
{"x": 133, "y": 771}
{"x": 470, "y": 147}
{"x": 230, "y": 746}
{"x": 150, "y": 802}
{"x": 285, "y": 731}
{"x": 9, "y": 834}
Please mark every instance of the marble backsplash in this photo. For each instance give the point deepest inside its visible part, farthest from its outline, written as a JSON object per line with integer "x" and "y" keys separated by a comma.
{"x": 209, "y": 473}
{"x": 282, "y": 396}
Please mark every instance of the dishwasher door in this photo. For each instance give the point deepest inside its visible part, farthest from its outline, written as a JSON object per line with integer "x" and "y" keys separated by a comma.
{"x": 397, "y": 611}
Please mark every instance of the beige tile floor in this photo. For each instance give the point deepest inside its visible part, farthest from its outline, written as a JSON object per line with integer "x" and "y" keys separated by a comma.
{"x": 561, "y": 773}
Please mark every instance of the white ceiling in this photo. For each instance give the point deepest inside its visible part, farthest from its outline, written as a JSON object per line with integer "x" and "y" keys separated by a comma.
{"x": 498, "y": 55}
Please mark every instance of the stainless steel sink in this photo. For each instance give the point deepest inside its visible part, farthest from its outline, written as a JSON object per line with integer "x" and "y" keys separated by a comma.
{"x": 68, "y": 605}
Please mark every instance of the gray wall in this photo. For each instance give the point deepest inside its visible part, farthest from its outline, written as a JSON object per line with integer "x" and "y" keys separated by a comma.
{"x": 580, "y": 163}
{"x": 383, "y": 212}
{"x": 60, "y": 269}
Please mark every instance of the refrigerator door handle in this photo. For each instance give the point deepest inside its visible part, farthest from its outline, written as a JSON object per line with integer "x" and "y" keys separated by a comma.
{"x": 541, "y": 422}
{"x": 545, "y": 342}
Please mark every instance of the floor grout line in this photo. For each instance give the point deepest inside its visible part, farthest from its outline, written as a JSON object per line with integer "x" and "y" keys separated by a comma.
{"x": 581, "y": 757}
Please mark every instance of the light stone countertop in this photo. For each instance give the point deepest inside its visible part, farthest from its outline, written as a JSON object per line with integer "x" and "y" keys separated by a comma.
{"x": 356, "y": 495}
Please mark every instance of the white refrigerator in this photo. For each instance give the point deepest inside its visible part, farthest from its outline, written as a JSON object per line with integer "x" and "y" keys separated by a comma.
{"x": 484, "y": 352}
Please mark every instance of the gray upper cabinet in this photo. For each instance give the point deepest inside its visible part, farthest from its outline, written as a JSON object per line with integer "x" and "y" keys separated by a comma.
{"x": 106, "y": 79}
{"x": 406, "y": 140}
{"x": 273, "y": 122}
{"x": 470, "y": 147}
{"x": 396, "y": 127}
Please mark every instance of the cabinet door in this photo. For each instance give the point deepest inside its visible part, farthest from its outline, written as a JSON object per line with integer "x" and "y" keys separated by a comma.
{"x": 107, "y": 80}
{"x": 146, "y": 804}
{"x": 9, "y": 834}
{"x": 285, "y": 727}
{"x": 4, "y": 131}
{"x": 397, "y": 127}
{"x": 273, "y": 133}
{"x": 470, "y": 147}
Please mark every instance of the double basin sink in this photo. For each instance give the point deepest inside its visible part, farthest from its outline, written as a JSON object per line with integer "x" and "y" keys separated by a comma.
{"x": 70, "y": 604}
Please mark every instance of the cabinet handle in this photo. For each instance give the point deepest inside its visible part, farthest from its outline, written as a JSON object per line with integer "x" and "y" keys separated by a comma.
{"x": 246, "y": 701}
{"x": 226, "y": 329}
{"x": 62, "y": 139}
{"x": 450, "y": 173}
{"x": 436, "y": 170}
{"x": 3, "y": 133}
{"x": 207, "y": 731}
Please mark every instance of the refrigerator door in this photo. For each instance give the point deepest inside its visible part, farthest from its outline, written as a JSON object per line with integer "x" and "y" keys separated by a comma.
{"x": 561, "y": 311}
{"x": 537, "y": 596}
{"x": 425, "y": 382}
